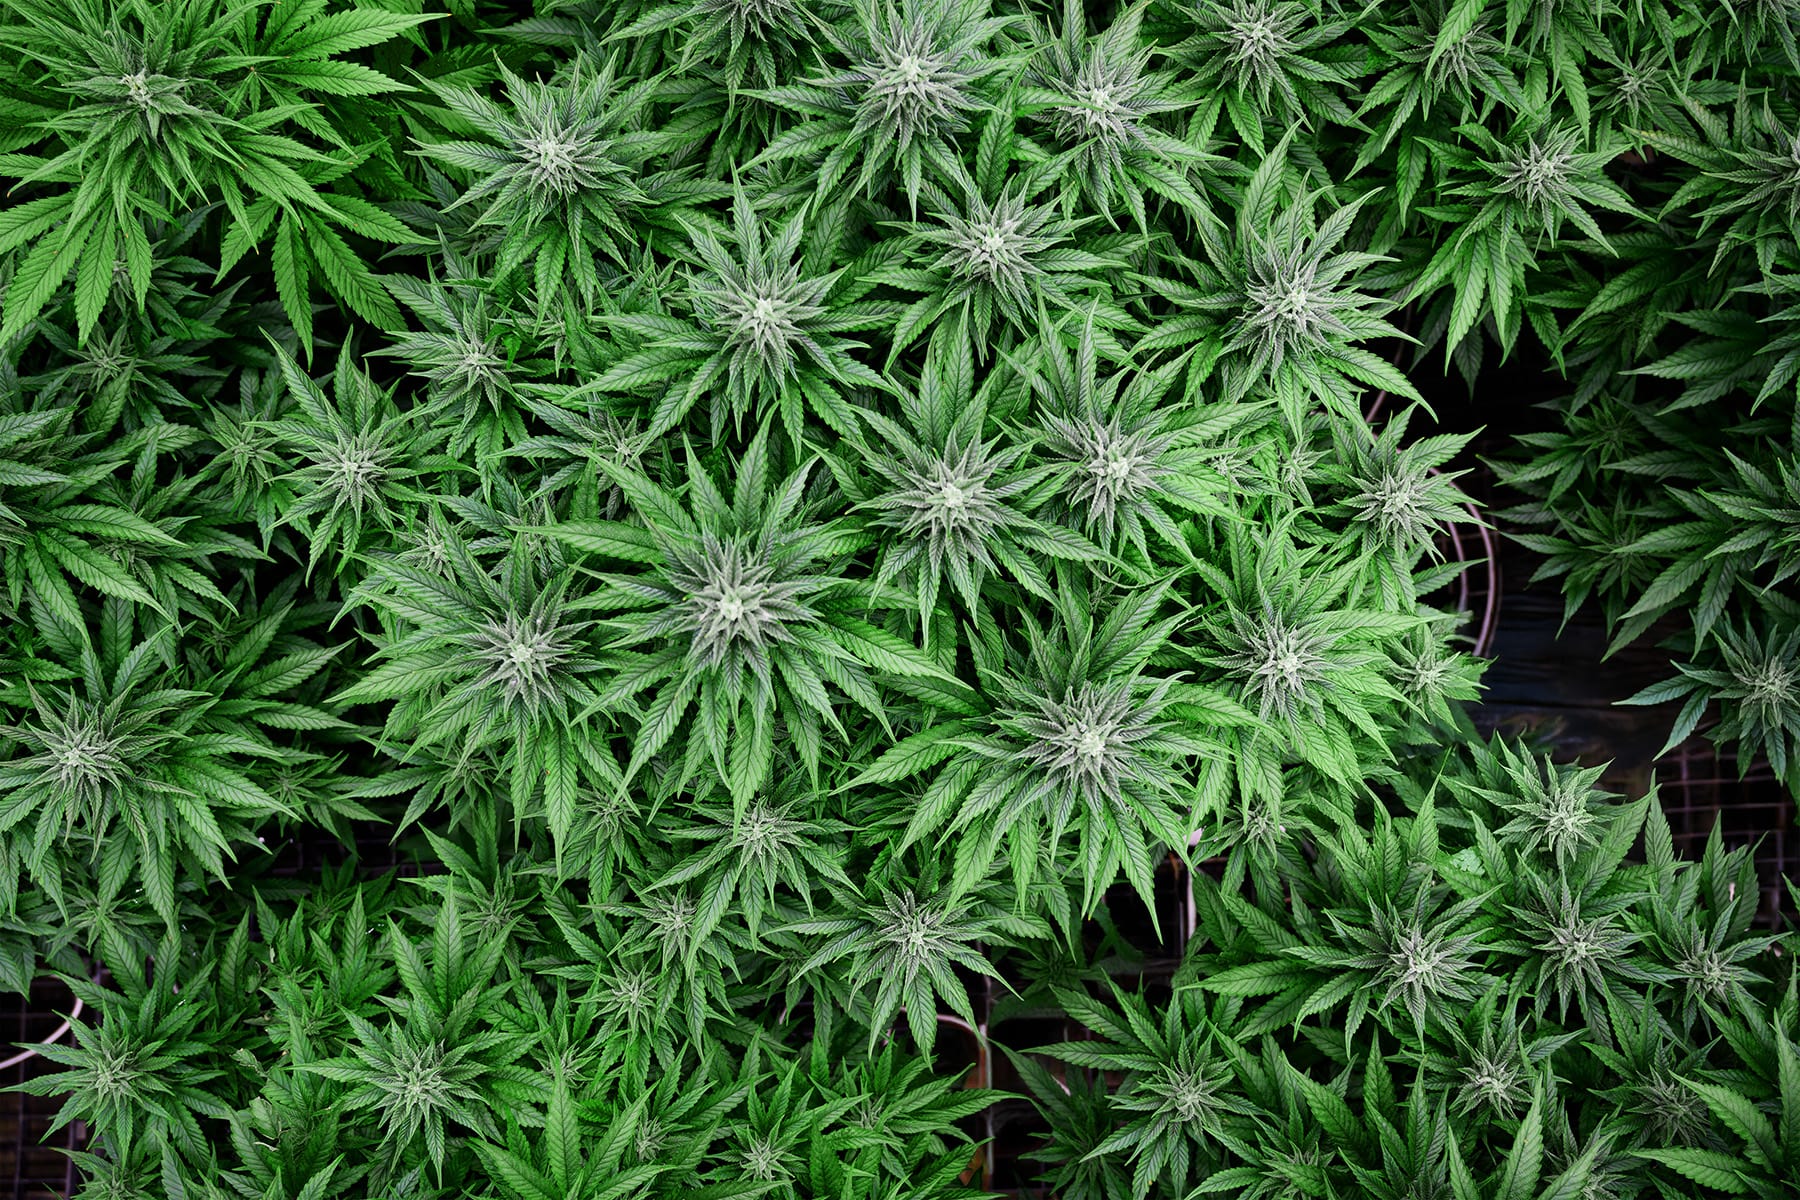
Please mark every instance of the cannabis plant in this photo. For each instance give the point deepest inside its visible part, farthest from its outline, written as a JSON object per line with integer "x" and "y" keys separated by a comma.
{"x": 1080, "y": 742}
{"x": 739, "y": 615}
{"x": 1177, "y": 1099}
{"x": 126, "y": 775}
{"x": 1282, "y": 58}
{"x": 1128, "y": 466}
{"x": 1307, "y": 661}
{"x": 638, "y": 599}
{"x": 763, "y": 334}
{"x": 1101, "y": 101}
{"x": 1397, "y": 497}
{"x": 145, "y": 111}
{"x": 354, "y": 456}
{"x": 140, "y": 1074}
{"x": 478, "y": 655}
{"x": 557, "y": 174}
{"x": 993, "y": 251}
{"x": 907, "y": 945}
{"x": 1277, "y": 305}
{"x": 1521, "y": 187}
{"x": 959, "y": 501}
{"x": 912, "y": 73}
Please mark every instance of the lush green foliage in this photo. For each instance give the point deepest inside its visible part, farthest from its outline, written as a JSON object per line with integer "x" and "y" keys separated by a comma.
{"x": 798, "y": 521}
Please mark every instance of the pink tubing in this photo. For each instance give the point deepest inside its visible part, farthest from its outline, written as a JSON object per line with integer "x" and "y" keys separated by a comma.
{"x": 31, "y": 1052}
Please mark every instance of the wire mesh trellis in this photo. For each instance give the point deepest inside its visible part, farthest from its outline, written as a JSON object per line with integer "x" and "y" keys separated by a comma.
{"x": 32, "y": 1163}
{"x": 1700, "y": 786}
